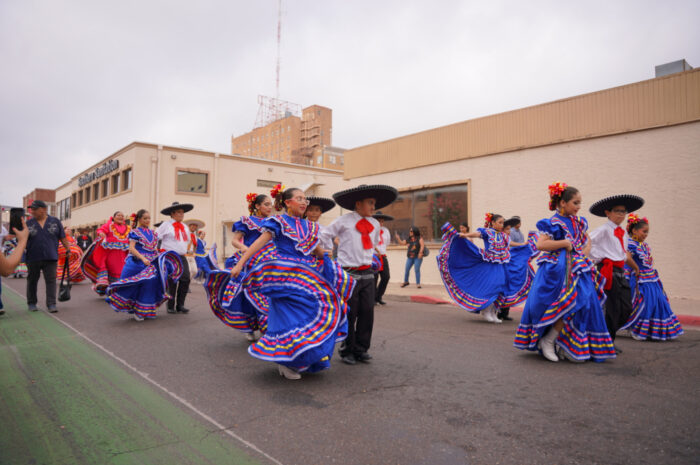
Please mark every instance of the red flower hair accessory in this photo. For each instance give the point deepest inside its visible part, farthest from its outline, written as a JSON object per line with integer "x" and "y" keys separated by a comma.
{"x": 277, "y": 190}
{"x": 132, "y": 217}
{"x": 250, "y": 198}
{"x": 487, "y": 219}
{"x": 633, "y": 219}
{"x": 557, "y": 188}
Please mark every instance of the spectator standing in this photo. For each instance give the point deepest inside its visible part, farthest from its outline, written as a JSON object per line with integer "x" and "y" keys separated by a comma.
{"x": 45, "y": 232}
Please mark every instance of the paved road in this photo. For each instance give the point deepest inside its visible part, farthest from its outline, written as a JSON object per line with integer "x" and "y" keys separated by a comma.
{"x": 444, "y": 388}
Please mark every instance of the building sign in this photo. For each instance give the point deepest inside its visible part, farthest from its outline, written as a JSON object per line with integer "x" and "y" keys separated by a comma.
{"x": 100, "y": 171}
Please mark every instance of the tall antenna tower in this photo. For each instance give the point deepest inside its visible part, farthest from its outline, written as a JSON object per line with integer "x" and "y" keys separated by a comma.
{"x": 271, "y": 109}
{"x": 279, "y": 41}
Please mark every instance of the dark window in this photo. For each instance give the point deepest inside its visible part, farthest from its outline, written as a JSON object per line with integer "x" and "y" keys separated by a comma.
{"x": 188, "y": 181}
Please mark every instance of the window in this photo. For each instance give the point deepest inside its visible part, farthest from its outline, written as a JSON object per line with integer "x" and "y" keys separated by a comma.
{"x": 96, "y": 191}
{"x": 428, "y": 209}
{"x": 63, "y": 208}
{"x": 80, "y": 198}
{"x": 193, "y": 182}
{"x": 268, "y": 184}
{"x": 74, "y": 199}
{"x": 115, "y": 183}
{"x": 331, "y": 159}
{"x": 126, "y": 179}
{"x": 87, "y": 194}
{"x": 105, "y": 188}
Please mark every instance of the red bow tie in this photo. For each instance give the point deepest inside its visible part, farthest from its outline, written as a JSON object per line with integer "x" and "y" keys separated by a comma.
{"x": 180, "y": 233}
{"x": 365, "y": 227}
{"x": 381, "y": 237}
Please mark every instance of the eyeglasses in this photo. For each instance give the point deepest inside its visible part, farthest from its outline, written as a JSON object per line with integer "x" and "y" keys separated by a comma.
{"x": 302, "y": 200}
{"x": 619, "y": 210}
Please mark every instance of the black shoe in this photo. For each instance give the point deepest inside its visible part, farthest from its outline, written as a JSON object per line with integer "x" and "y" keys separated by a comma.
{"x": 363, "y": 357}
{"x": 183, "y": 310}
{"x": 381, "y": 302}
{"x": 348, "y": 359}
{"x": 171, "y": 310}
{"x": 506, "y": 318}
{"x": 52, "y": 309}
{"x": 617, "y": 349}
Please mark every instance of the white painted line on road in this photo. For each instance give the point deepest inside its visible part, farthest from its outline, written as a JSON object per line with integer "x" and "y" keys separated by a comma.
{"x": 145, "y": 376}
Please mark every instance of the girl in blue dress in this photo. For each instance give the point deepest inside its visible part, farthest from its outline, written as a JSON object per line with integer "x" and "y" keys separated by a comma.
{"x": 143, "y": 284}
{"x": 652, "y": 317}
{"x": 307, "y": 291}
{"x": 246, "y": 310}
{"x": 479, "y": 280}
{"x": 564, "y": 308}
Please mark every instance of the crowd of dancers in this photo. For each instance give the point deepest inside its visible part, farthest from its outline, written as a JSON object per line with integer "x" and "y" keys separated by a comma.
{"x": 296, "y": 288}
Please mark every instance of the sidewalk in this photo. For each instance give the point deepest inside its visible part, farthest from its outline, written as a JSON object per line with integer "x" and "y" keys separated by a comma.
{"x": 62, "y": 401}
{"x": 687, "y": 310}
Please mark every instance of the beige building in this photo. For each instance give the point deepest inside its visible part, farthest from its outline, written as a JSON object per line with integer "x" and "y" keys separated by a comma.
{"x": 301, "y": 139}
{"x": 642, "y": 138}
{"x": 152, "y": 176}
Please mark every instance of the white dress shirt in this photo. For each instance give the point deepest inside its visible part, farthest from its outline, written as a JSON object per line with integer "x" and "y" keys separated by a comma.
{"x": 351, "y": 253}
{"x": 604, "y": 243}
{"x": 166, "y": 233}
{"x": 384, "y": 239}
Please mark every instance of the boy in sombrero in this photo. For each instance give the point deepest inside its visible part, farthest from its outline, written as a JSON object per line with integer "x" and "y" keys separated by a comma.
{"x": 174, "y": 237}
{"x": 358, "y": 235}
{"x": 609, "y": 253}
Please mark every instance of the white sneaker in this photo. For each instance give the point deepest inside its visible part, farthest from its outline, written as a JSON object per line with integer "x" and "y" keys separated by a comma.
{"x": 138, "y": 317}
{"x": 288, "y": 372}
{"x": 250, "y": 337}
{"x": 547, "y": 345}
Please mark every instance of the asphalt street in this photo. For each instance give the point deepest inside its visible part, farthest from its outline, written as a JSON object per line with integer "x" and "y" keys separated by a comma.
{"x": 444, "y": 387}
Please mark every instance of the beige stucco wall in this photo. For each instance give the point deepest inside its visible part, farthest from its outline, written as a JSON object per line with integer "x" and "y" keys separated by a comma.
{"x": 662, "y": 165}
{"x": 230, "y": 180}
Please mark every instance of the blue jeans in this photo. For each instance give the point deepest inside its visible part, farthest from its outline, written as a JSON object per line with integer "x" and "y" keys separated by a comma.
{"x": 409, "y": 263}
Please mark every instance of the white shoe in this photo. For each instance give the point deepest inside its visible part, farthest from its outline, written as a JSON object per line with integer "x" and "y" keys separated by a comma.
{"x": 250, "y": 337}
{"x": 547, "y": 345}
{"x": 138, "y": 317}
{"x": 288, "y": 372}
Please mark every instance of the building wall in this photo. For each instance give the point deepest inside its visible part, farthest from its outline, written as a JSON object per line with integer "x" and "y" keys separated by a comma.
{"x": 230, "y": 178}
{"x": 662, "y": 165}
{"x": 292, "y": 139}
{"x": 668, "y": 100}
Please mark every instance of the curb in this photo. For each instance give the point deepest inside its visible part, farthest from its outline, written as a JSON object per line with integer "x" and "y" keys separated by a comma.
{"x": 685, "y": 320}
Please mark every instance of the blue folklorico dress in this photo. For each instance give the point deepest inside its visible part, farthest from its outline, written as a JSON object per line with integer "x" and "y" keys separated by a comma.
{"x": 567, "y": 286}
{"x": 206, "y": 262}
{"x": 244, "y": 309}
{"x": 475, "y": 278}
{"x": 308, "y": 311}
{"x": 652, "y": 317}
{"x": 141, "y": 289}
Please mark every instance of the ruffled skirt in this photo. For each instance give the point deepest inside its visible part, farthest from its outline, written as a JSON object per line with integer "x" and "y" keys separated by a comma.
{"x": 652, "y": 317}
{"x": 103, "y": 265}
{"x": 74, "y": 272}
{"x": 307, "y": 315}
{"x": 578, "y": 301}
{"x": 474, "y": 283}
{"x": 236, "y": 306}
{"x": 142, "y": 288}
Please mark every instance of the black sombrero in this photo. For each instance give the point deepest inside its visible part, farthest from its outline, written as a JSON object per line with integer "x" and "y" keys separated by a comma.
{"x": 630, "y": 202}
{"x": 324, "y": 202}
{"x": 383, "y": 194}
{"x": 512, "y": 221}
{"x": 177, "y": 206}
{"x": 381, "y": 216}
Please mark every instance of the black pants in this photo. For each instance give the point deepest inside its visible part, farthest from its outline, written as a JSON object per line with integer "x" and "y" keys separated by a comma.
{"x": 618, "y": 306}
{"x": 33, "y": 271}
{"x": 178, "y": 289}
{"x": 381, "y": 280}
{"x": 360, "y": 316}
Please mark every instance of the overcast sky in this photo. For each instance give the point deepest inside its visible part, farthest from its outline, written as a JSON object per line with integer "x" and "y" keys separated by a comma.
{"x": 81, "y": 79}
